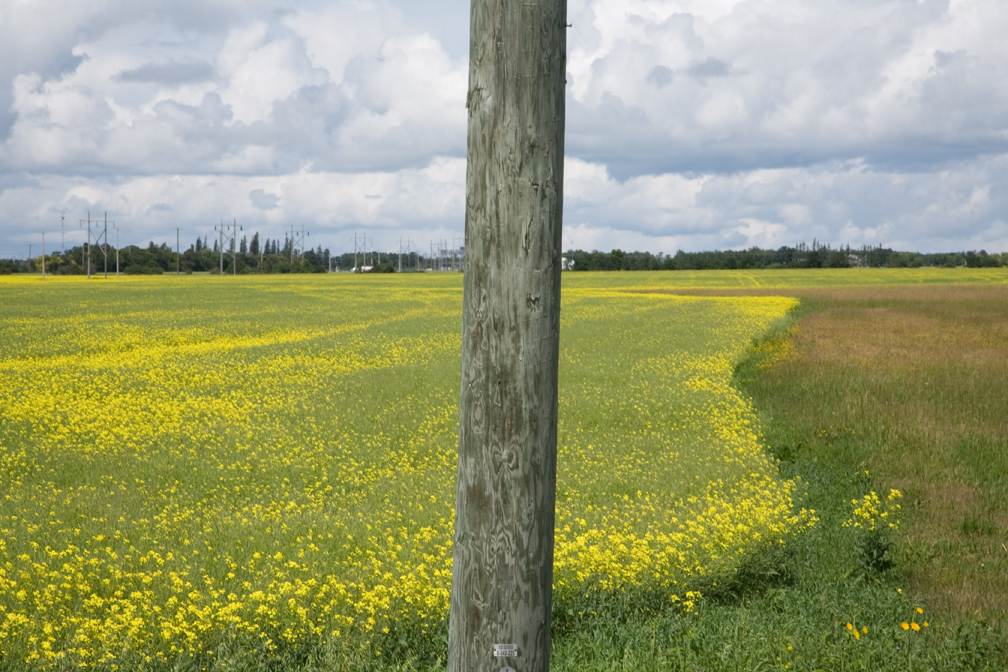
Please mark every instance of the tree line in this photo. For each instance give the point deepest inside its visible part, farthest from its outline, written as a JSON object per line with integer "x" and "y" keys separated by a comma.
{"x": 799, "y": 256}
{"x": 257, "y": 255}
{"x": 250, "y": 256}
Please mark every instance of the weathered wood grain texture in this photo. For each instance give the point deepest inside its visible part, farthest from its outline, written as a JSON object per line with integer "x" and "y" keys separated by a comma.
{"x": 505, "y": 505}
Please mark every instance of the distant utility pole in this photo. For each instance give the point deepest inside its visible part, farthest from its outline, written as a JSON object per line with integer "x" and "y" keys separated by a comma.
{"x": 62, "y": 232}
{"x": 104, "y": 244}
{"x": 234, "y": 252}
{"x": 220, "y": 249}
{"x": 87, "y": 246}
{"x": 177, "y": 234}
{"x": 43, "y": 255}
{"x": 502, "y": 571}
{"x": 117, "y": 250}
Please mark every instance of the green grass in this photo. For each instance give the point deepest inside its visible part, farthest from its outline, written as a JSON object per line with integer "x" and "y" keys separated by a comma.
{"x": 850, "y": 405}
{"x": 787, "y": 279}
{"x": 289, "y": 414}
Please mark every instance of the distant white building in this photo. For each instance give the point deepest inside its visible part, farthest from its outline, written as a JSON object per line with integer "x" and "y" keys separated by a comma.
{"x": 566, "y": 264}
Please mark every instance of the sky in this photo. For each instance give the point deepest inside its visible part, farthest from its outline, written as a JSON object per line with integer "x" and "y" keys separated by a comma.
{"x": 691, "y": 124}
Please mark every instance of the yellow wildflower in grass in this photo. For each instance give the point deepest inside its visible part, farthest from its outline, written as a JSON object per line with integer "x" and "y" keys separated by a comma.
{"x": 853, "y": 630}
{"x": 201, "y": 464}
{"x": 870, "y": 513}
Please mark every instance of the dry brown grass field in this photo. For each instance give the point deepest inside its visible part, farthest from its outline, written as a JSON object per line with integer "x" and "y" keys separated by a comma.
{"x": 911, "y": 384}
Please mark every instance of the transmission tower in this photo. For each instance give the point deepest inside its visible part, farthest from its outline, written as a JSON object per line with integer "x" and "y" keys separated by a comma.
{"x": 297, "y": 238}
{"x": 228, "y": 230}
{"x": 100, "y": 238}
{"x": 362, "y": 249}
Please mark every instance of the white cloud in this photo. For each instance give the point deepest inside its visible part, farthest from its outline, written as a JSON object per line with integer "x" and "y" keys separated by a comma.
{"x": 383, "y": 203}
{"x": 761, "y": 83}
{"x": 841, "y": 203}
{"x": 261, "y": 72}
{"x": 696, "y": 123}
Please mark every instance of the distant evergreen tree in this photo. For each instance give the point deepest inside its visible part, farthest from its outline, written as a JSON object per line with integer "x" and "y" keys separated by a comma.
{"x": 254, "y": 245}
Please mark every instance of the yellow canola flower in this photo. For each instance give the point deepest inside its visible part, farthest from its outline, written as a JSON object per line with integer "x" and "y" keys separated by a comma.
{"x": 273, "y": 463}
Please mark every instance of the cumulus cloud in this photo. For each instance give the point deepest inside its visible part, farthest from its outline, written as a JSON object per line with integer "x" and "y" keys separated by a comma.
{"x": 344, "y": 86}
{"x": 696, "y": 124}
{"x": 849, "y": 202}
{"x": 388, "y": 205}
{"x": 168, "y": 73}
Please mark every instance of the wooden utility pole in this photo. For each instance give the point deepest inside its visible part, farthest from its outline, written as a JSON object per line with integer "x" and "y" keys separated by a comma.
{"x": 502, "y": 577}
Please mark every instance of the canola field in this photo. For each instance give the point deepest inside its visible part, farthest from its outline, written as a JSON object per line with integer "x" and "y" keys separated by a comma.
{"x": 203, "y": 472}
